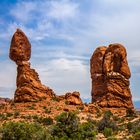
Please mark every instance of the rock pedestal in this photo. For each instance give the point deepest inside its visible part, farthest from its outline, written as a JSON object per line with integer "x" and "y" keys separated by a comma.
{"x": 110, "y": 75}
{"x": 29, "y": 87}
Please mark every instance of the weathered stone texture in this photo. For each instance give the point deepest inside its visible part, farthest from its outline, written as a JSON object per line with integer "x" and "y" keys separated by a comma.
{"x": 110, "y": 75}
{"x": 29, "y": 87}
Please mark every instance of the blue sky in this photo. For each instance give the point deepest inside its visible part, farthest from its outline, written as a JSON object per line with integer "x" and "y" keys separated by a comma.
{"x": 64, "y": 34}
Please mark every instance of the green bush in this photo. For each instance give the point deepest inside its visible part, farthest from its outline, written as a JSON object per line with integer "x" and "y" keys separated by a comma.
{"x": 112, "y": 138}
{"x": 137, "y": 136}
{"x": 56, "y": 99}
{"x": 87, "y": 131}
{"x": 129, "y": 126}
{"x": 108, "y": 113}
{"x": 9, "y": 114}
{"x": 47, "y": 121}
{"x": 67, "y": 102}
{"x": 16, "y": 114}
{"x": 23, "y": 131}
{"x": 107, "y": 132}
{"x": 3, "y": 116}
{"x": 35, "y": 117}
{"x": 68, "y": 127}
{"x": 129, "y": 113}
{"x": 106, "y": 122}
{"x": 2, "y": 106}
{"x": 134, "y": 127}
{"x": 44, "y": 107}
{"x": 48, "y": 111}
{"x": 32, "y": 107}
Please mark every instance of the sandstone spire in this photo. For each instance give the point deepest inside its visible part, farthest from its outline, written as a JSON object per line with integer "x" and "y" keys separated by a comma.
{"x": 29, "y": 87}
{"x": 110, "y": 75}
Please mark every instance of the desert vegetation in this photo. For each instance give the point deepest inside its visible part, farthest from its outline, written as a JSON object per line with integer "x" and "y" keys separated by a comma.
{"x": 68, "y": 126}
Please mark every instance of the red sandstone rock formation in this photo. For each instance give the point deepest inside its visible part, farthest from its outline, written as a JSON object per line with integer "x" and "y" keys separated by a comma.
{"x": 29, "y": 87}
{"x": 4, "y": 101}
{"x": 110, "y": 75}
{"x": 71, "y": 98}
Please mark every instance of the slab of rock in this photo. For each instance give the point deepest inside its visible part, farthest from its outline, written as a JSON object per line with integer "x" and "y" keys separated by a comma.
{"x": 110, "y": 75}
{"x": 4, "y": 101}
{"x": 73, "y": 98}
{"x": 29, "y": 87}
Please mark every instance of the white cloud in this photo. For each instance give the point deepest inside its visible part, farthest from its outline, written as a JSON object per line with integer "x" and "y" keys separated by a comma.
{"x": 23, "y": 11}
{"x": 7, "y": 79}
{"x": 64, "y": 75}
{"x": 103, "y": 22}
{"x": 62, "y": 10}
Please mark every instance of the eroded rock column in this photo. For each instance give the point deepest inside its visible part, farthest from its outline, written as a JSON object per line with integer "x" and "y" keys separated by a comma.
{"x": 29, "y": 87}
{"x": 110, "y": 75}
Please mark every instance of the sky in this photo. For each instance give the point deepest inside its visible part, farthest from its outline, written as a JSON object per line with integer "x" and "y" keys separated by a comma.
{"x": 64, "y": 35}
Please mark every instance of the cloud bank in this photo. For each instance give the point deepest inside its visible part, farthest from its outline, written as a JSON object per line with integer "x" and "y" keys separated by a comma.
{"x": 64, "y": 35}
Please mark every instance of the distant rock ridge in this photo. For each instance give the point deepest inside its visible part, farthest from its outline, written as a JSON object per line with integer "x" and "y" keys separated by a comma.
{"x": 29, "y": 87}
{"x": 110, "y": 75}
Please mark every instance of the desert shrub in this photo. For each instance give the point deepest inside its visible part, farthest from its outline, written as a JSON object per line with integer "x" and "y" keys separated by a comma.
{"x": 3, "y": 116}
{"x": 106, "y": 122}
{"x": 58, "y": 108}
{"x": 32, "y": 107}
{"x": 137, "y": 136}
{"x": 9, "y": 114}
{"x": 122, "y": 127}
{"x": 87, "y": 131}
{"x": 129, "y": 126}
{"x": 47, "y": 110}
{"x": 107, "y": 132}
{"x": 28, "y": 117}
{"x": 35, "y": 117}
{"x": 80, "y": 107}
{"x": 116, "y": 118}
{"x": 68, "y": 127}
{"x": 130, "y": 113}
{"x": 67, "y": 102}
{"x": 23, "y": 131}
{"x": 108, "y": 113}
{"x": 56, "y": 99}
{"x": 44, "y": 107}
{"x": 134, "y": 127}
{"x": 16, "y": 114}
{"x": 2, "y": 106}
{"x": 47, "y": 121}
{"x": 112, "y": 138}
{"x": 121, "y": 120}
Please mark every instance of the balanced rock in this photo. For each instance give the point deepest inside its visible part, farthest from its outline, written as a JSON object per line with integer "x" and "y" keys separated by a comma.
{"x": 20, "y": 49}
{"x": 110, "y": 75}
{"x": 29, "y": 87}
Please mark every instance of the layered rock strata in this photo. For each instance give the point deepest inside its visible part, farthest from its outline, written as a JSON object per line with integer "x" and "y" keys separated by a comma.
{"x": 29, "y": 87}
{"x": 110, "y": 75}
{"x": 71, "y": 98}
